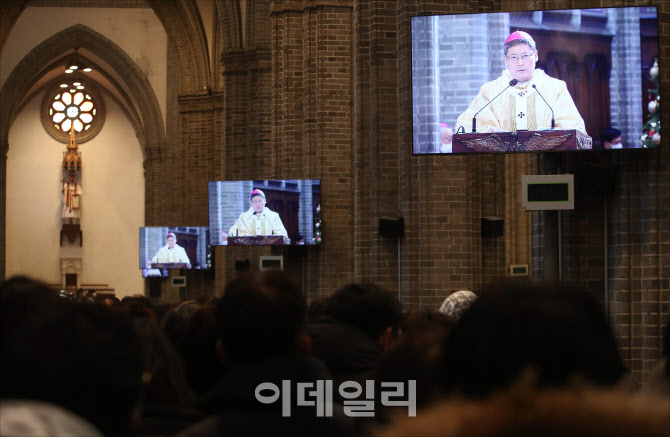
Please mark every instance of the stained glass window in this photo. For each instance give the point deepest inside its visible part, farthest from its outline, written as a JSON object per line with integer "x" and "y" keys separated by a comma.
{"x": 73, "y": 103}
{"x": 73, "y": 107}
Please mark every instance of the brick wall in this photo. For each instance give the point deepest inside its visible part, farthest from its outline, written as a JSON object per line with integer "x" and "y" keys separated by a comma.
{"x": 312, "y": 126}
{"x": 244, "y": 149}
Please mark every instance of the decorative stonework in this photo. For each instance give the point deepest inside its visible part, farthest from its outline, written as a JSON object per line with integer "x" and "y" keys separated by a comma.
{"x": 70, "y": 266}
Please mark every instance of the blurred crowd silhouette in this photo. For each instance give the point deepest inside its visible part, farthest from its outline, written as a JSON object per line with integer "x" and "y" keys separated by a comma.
{"x": 513, "y": 359}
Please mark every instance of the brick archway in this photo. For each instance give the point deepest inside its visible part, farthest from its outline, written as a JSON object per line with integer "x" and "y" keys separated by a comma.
{"x": 188, "y": 42}
{"x": 32, "y": 67}
{"x": 39, "y": 61}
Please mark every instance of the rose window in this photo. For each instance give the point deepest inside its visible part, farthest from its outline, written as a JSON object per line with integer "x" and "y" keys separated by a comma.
{"x": 73, "y": 108}
{"x": 72, "y": 105}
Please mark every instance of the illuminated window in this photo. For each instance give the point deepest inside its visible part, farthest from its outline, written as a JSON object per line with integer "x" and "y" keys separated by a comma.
{"x": 72, "y": 104}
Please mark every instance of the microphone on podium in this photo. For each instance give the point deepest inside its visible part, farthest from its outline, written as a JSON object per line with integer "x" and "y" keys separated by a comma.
{"x": 512, "y": 82}
{"x": 553, "y": 121}
{"x": 237, "y": 233}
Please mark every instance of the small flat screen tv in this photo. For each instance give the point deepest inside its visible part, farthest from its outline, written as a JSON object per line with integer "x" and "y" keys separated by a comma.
{"x": 164, "y": 248}
{"x": 265, "y": 212}
{"x": 607, "y": 59}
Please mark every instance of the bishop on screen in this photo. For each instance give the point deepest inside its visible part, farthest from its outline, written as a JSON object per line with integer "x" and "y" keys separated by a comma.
{"x": 522, "y": 97}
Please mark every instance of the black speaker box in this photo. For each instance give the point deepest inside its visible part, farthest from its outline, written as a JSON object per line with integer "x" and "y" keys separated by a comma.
{"x": 242, "y": 266}
{"x": 595, "y": 179}
{"x": 393, "y": 228}
{"x": 154, "y": 287}
{"x": 493, "y": 227}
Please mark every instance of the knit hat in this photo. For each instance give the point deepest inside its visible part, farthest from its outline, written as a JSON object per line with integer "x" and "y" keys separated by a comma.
{"x": 455, "y": 305}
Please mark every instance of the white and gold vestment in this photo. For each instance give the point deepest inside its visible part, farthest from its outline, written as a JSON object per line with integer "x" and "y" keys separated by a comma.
{"x": 520, "y": 107}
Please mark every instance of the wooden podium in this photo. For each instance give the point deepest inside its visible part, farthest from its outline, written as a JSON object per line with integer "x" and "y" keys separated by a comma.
{"x": 170, "y": 266}
{"x": 522, "y": 141}
{"x": 274, "y": 240}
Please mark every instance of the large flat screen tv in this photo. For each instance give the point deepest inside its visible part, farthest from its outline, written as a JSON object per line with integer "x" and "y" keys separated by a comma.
{"x": 265, "y": 212}
{"x": 179, "y": 247}
{"x": 595, "y": 71}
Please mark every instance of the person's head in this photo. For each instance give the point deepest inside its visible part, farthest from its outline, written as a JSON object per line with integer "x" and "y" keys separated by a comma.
{"x": 168, "y": 381}
{"x": 258, "y": 200}
{"x": 110, "y": 301}
{"x": 370, "y": 308}
{"x": 198, "y": 350}
{"x": 446, "y": 133}
{"x": 520, "y": 54}
{"x": 171, "y": 240}
{"x": 175, "y": 321}
{"x": 259, "y": 318}
{"x": 417, "y": 354}
{"x": 552, "y": 334}
{"x": 84, "y": 358}
{"x": 611, "y": 138}
{"x": 139, "y": 306}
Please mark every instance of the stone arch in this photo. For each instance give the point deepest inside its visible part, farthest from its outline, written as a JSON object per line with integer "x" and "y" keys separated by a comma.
{"x": 230, "y": 20}
{"x": 9, "y": 13}
{"x": 124, "y": 102}
{"x": 244, "y": 28}
{"x": 31, "y": 67}
{"x": 186, "y": 38}
{"x": 187, "y": 41}
{"x": 151, "y": 133}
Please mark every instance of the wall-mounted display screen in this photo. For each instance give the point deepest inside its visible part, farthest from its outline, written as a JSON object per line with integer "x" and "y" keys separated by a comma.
{"x": 181, "y": 247}
{"x": 265, "y": 212}
{"x": 594, "y": 72}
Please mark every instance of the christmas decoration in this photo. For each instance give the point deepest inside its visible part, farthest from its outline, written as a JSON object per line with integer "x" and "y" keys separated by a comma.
{"x": 652, "y": 106}
{"x": 316, "y": 238}
{"x": 652, "y": 129}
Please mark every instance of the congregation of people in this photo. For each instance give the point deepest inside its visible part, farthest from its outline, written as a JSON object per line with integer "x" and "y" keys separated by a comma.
{"x": 513, "y": 359}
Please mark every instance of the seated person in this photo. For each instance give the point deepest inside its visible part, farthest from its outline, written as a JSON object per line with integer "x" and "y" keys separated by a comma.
{"x": 520, "y": 107}
{"x": 260, "y": 323}
{"x": 258, "y": 220}
{"x": 66, "y": 368}
{"x": 446, "y": 134}
{"x": 611, "y": 138}
{"x": 171, "y": 252}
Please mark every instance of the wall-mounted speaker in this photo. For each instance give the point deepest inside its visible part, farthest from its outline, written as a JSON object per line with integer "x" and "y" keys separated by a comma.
{"x": 493, "y": 227}
{"x": 154, "y": 287}
{"x": 595, "y": 179}
{"x": 393, "y": 228}
{"x": 242, "y": 266}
